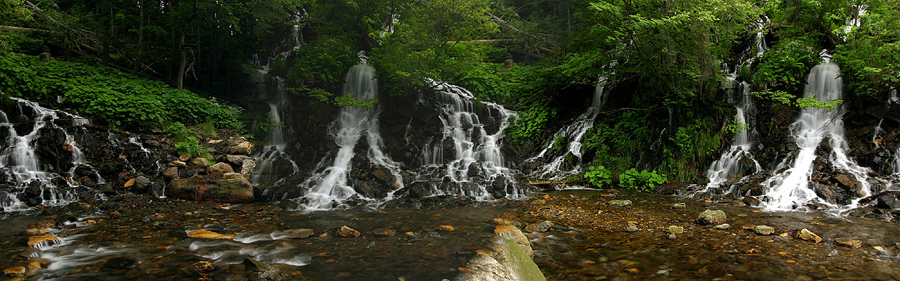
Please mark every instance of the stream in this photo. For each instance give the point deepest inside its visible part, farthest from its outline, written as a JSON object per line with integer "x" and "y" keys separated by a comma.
{"x": 139, "y": 238}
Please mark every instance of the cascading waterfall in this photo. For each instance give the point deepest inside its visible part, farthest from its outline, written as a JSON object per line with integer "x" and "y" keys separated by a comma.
{"x": 329, "y": 188}
{"x": 573, "y": 133}
{"x": 790, "y": 189}
{"x": 19, "y": 160}
{"x": 477, "y": 158}
{"x": 732, "y": 161}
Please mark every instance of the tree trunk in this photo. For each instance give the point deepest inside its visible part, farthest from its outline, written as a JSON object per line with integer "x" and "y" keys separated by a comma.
{"x": 140, "y": 45}
{"x": 183, "y": 49}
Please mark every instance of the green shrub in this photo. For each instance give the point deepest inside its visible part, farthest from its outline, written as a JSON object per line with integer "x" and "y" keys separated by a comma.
{"x": 643, "y": 180}
{"x": 185, "y": 140}
{"x": 598, "y": 175}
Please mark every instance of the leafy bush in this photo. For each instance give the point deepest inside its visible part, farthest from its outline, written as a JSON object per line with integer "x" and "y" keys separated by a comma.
{"x": 598, "y": 175}
{"x": 643, "y": 180}
{"x": 123, "y": 101}
{"x": 786, "y": 64}
{"x": 185, "y": 140}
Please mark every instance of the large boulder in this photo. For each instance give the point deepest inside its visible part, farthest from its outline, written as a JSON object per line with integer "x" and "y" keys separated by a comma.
{"x": 240, "y": 148}
{"x": 220, "y": 168}
{"x": 509, "y": 258}
{"x": 711, "y": 217}
{"x": 232, "y": 188}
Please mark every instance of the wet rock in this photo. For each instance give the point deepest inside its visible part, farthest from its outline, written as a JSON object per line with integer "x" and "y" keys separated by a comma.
{"x": 750, "y": 201}
{"x": 346, "y": 231}
{"x": 120, "y": 263}
{"x": 141, "y": 184}
{"x": 237, "y": 159}
{"x": 619, "y": 203}
{"x": 847, "y": 180}
{"x": 247, "y": 167}
{"x": 220, "y": 168}
{"x": 445, "y": 228}
{"x": 170, "y": 173}
{"x": 631, "y": 228}
{"x": 41, "y": 241}
{"x": 674, "y": 229}
{"x": 14, "y": 271}
{"x": 36, "y": 231}
{"x": 185, "y": 157}
{"x": 302, "y": 233}
{"x": 500, "y": 221}
{"x": 543, "y": 226}
{"x": 261, "y": 271}
{"x": 672, "y": 237}
{"x": 241, "y": 148}
{"x": 723, "y": 226}
{"x": 712, "y": 217}
{"x": 203, "y": 266}
{"x": 764, "y": 230}
{"x": 807, "y": 235}
{"x": 679, "y": 206}
{"x": 516, "y": 235}
{"x": 206, "y": 234}
{"x": 421, "y": 189}
{"x": 179, "y": 164}
{"x": 847, "y": 242}
{"x": 385, "y": 232}
{"x": 199, "y": 162}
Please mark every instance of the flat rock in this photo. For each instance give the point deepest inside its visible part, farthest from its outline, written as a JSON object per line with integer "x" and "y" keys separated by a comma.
{"x": 723, "y": 226}
{"x": 237, "y": 159}
{"x": 170, "y": 173}
{"x": 14, "y": 271}
{"x": 847, "y": 242}
{"x": 206, "y": 234}
{"x": 500, "y": 221}
{"x": 385, "y": 232}
{"x": 179, "y": 164}
{"x": 445, "y": 228}
{"x": 199, "y": 162}
{"x": 764, "y": 230}
{"x": 543, "y": 226}
{"x": 299, "y": 233}
{"x": 220, "y": 168}
{"x": 674, "y": 229}
{"x": 679, "y": 206}
{"x": 807, "y": 235}
{"x": 619, "y": 203}
{"x": 42, "y": 240}
{"x": 631, "y": 228}
{"x": 346, "y": 231}
{"x": 712, "y": 217}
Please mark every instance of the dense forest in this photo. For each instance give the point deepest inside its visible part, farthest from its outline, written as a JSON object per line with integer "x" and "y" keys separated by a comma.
{"x": 132, "y": 63}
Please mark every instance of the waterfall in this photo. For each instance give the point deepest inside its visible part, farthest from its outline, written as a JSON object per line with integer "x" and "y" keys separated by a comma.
{"x": 329, "y": 187}
{"x": 732, "y": 161}
{"x": 573, "y": 133}
{"x": 476, "y": 153}
{"x": 791, "y": 189}
{"x": 19, "y": 161}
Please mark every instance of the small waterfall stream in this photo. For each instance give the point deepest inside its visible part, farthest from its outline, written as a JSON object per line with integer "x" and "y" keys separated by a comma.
{"x": 790, "y": 189}
{"x": 573, "y": 134}
{"x": 329, "y": 187}
{"x": 738, "y": 155}
{"x": 476, "y": 153}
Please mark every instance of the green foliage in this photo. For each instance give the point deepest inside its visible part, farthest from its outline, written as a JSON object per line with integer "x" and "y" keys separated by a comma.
{"x": 262, "y": 129}
{"x": 734, "y": 128}
{"x": 185, "y": 140}
{"x": 786, "y": 64}
{"x": 781, "y": 97}
{"x": 694, "y": 146}
{"x": 123, "y": 101}
{"x": 598, "y": 175}
{"x": 559, "y": 143}
{"x": 619, "y": 140}
{"x": 531, "y": 124}
{"x": 814, "y": 103}
{"x": 870, "y": 60}
{"x": 784, "y": 98}
{"x": 643, "y": 180}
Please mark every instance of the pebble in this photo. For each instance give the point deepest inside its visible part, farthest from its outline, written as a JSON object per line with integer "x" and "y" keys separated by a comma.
{"x": 346, "y": 231}
{"x": 847, "y": 242}
{"x": 723, "y": 226}
{"x": 206, "y": 234}
{"x": 385, "y": 232}
{"x": 672, "y": 237}
{"x": 764, "y": 230}
{"x": 679, "y": 206}
{"x": 445, "y": 228}
{"x": 543, "y": 226}
{"x": 674, "y": 229}
{"x": 807, "y": 235}
{"x": 631, "y": 228}
{"x": 713, "y": 217}
{"x": 619, "y": 203}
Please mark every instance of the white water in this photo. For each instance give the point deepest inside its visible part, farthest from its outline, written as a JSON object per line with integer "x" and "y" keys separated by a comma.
{"x": 573, "y": 133}
{"x": 790, "y": 189}
{"x": 19, "y": 160}
{"x": 730, "y": 162}
{"x": 330, "y": 187}
{"x": 473, "y": 147}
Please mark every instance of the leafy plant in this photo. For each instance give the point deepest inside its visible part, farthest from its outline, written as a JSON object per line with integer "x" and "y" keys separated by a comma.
{"x": 559, "y": 142}
{"x": 598, "y": 175}
{"x": 643, "y": 180}
{"x": 185, "y": 140}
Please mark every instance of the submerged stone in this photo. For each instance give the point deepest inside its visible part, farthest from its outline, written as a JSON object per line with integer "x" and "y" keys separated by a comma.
{"x": 346, "y": 231}
{"x": 543, "y": 226}
{"x": 807, "y": 235}
{"x": 712, "y": 217}
{"x": 206, "y": 234}
{"x": 619, "y": 203}
{"x": 764, "y": 230}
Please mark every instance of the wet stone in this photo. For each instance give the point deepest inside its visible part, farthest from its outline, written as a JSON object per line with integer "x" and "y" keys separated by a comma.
{"x": 619, "y": 203}
{"x": 203, "y": 266}
{"x": 300, "y": 232}
{"x": 674, "y": 229}
{"x": 445, "y": 228}
{"x": 679, "y": 206}
{"x": 631, "y": 228}
{"x": 543, "y": 226}
{"x": 14, "y": 271}
{"x": 807, "y": 235}
{"x": 206, "y": 234}
{"x": 712, "y": 217}
{"x": 346, "y": 231}
{"x": 42, "y": 240}
{"x": 385, "y": 232}
{"x": 847, "y": 242}
{"x": 764, "y": 230}
{"x": 723, "y": 226}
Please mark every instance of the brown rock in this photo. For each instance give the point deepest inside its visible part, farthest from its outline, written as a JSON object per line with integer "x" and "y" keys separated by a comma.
{"x": 385, "y": 232}
{"x": 346, "y": 231}
{"x": 206, "y": 234}
{"x": 445, "y": 228}
{"x": 807, "y": 235}
{"x": 499, "y": 221}
{"x": 179, "y": 164}
{"x": 220, "y": 168}
{"x": 203, "y": 266}
{"x": 847, "y": 242}
{"x": 43, "y": 240}
{"x": 15, "y": 271}
{"x": 711, "y": 217}
{"x": 171, "y": 173}
{"x": 241, "y": 148}
{"x": 36, "y": 231}
{"x": 199, "y": 162}
{"x": 129, "y": 183}
{"x": 185, "y": 157}
{"x": 299, "y": 233}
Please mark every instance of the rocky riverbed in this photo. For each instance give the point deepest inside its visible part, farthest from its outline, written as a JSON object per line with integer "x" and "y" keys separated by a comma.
{"x": 575, "y": 235}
